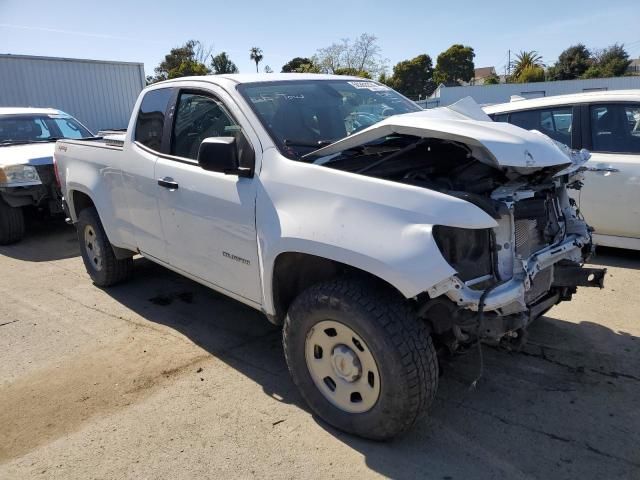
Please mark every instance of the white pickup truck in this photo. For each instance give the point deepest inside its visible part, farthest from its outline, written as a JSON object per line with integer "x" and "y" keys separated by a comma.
{"x": 372, "y": 230}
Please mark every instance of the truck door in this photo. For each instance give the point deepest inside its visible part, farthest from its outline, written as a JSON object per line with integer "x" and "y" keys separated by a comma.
{"x": 610, "y": 199}
{"x": 138, "y": 172}
{"x": 208, "y": 218}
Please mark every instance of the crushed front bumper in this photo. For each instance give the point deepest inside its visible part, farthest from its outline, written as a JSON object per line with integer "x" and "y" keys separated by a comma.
{"x": 554, "y": 266}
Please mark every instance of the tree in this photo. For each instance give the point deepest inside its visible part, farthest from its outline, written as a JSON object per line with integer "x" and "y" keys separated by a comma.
{"x": 413, "y": 78}
{"x": 268, "y": 69}
{"x": 532, "y": 73}
{"x": 256, "y": 55}
{"x": 296, "y": 64}
{"x": 572, "y": 63}
{"x": 182, "y": 61}
{"x": 492, "y": 79}
{"x": 455, "y": 65}
{"x": 352, "y": 72}
{"x": 221, "y": 63}
{"x": 610, "y": 62}
{"x": 525, "y": 60}
{"x": 360, "y": 55}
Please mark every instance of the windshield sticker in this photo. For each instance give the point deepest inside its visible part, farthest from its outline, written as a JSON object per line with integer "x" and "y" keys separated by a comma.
{"x": 374, "y": 87}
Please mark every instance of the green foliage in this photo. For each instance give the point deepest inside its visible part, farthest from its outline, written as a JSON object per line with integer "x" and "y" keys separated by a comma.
{"x": 296, "y": 64}
{"x": 455, "y": 65}
{"x": 255, "y": 54}
{"x": 492, "y": 79}
{"x": 413, "y": 78}
{"x": 221, "y": 64}
{"x": 526, "y": 61}
{"x": 531, "y": 73}
{"x": 571, "y": 64}
{"x": 309, "y": 68}
{"x": 352, "y": 72}
{"x": 182, "y": 61}
{"x": 610, "y": 62}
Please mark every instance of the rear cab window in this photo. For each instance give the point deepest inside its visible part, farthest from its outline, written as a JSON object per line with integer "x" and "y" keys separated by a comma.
{"x": 151, "y": 118}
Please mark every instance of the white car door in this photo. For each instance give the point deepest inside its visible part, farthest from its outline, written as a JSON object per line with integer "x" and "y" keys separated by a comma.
{"x": 610, "y": 198}
{"x": 208, "y": 218}
{"x": 138, "y": 172}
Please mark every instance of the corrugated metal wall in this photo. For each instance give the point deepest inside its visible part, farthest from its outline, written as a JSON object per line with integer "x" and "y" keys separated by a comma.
{"x": 99, "y": 94}
{"x": 490, "y": 94}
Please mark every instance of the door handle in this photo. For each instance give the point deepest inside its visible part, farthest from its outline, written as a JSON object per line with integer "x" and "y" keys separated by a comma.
{"x": 167, "y": 182}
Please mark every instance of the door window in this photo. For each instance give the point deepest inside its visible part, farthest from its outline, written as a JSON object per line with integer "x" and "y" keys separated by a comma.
{"x": 150, "y": 121}
{"x": 199, "y": 117}
{"x": 553, "y": 122}
{"x": 615, "y": 128}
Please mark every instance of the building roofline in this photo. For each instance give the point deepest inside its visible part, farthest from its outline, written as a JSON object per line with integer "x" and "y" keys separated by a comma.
{"x": 67, "y": 59}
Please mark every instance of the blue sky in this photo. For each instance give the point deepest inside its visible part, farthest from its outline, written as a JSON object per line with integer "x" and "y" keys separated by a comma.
{"x": 144, "y": 31}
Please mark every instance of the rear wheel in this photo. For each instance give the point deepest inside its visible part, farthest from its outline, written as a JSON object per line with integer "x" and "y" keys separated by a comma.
{"x": 360, "y": 357}
{"x": 11, "y": 224}
{"x": 97, "y": 253}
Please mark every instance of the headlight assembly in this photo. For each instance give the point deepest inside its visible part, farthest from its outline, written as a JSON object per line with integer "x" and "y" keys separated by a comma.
{"x": 18, "y": 175}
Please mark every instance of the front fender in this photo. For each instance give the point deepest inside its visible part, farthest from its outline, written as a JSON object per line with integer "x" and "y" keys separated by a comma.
{"x": 379, "y": 226}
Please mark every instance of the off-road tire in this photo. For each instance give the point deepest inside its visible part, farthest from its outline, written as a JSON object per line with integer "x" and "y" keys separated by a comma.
{"x": 112, "y": 270}
{"x": 11, "y": 224}
{"x": 400, "y": 343}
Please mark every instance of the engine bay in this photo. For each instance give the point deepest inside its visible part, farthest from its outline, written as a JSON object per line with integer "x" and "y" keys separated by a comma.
{"x": 508, "y": 275}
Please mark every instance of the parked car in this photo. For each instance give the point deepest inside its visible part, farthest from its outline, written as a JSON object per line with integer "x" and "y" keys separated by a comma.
{"x": 608, "y": 125}
{"x": 367, "y": 243}
{"x": 27, "y": 142}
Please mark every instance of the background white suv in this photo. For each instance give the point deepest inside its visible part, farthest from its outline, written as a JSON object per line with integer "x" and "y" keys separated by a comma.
{"x": 608, "y": 125}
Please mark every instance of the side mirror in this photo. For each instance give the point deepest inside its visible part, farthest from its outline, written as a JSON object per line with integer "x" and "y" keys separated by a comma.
{"x": 220, "y": 154}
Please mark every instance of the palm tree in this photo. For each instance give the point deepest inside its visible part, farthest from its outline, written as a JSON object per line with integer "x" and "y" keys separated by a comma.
{"x": 525, "y": 61}
{"x": 255, "y": 54}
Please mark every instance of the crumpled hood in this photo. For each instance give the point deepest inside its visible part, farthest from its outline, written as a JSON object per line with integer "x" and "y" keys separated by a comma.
{"x": 495, "y": 143}
{"x": 28, "y": 154}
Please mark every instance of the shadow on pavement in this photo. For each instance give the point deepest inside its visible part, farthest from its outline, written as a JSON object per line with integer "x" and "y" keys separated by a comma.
{"x": 616, "y": 257}
{"x": 564, "y": 407}
{"x": 46, "y": 239}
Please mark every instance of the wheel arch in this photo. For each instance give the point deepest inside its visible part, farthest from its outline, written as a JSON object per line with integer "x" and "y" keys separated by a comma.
{"x": 293, "y": 272}
{"x": 79, "y": 201}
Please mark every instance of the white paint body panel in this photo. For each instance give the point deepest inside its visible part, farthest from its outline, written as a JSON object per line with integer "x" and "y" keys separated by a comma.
{"x": 379, "y": 226}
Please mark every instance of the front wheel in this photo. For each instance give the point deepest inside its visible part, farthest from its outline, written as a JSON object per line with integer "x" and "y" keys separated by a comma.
{"x": 11, "y": 224}
{"x": 97, "y": 253}
{"x": 360, "y": 357}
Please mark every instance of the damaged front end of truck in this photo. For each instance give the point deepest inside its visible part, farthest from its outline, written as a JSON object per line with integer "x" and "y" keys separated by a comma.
{"x": 505, "y": 276}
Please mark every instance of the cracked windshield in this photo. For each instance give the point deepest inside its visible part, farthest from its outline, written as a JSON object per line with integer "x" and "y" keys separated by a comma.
{"x": 303, "y": 116}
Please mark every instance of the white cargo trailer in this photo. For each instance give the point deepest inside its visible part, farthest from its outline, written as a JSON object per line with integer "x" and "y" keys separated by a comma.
{"x": 100, "y": 94}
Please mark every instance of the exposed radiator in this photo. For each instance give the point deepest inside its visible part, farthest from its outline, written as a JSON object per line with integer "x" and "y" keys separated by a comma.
{"x": 527, "y": 237}
{"x": 540, "y": 285}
